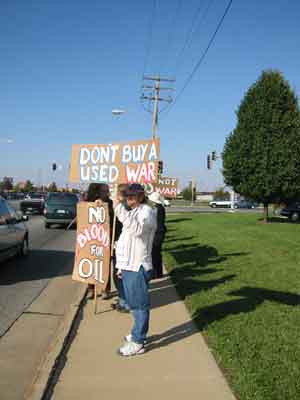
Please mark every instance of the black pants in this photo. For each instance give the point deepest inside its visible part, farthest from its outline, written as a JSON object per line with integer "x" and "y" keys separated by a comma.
{"x": 157, "y": 260}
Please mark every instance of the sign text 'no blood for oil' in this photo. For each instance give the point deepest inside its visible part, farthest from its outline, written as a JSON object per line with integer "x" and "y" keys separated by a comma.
{"x": 92, "y": 257}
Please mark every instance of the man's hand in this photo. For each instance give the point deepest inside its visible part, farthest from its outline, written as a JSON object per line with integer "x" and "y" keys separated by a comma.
{"x": 119, "y": 274}
{"x": 98, "y": 203}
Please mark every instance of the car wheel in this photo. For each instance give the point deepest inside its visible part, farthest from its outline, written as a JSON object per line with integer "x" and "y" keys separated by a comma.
{"x": 47, "y": 225}
{"x": 294, "y": 217}
{"x": 214, "y": 206}
{"x": 24, "y": 249}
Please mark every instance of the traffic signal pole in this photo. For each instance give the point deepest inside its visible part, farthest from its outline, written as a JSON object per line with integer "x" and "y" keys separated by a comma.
{"x": 213, "y": 157}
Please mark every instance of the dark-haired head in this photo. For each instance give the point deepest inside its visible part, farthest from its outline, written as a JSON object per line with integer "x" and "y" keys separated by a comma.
{"x": 98, "y": 191}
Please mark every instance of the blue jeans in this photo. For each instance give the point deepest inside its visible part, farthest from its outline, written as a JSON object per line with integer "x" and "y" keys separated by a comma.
{"x": 136, "y": 285}
{"x": 121, "y": 294}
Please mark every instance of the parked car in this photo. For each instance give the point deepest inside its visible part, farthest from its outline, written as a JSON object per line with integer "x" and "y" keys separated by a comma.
{"x": 245, "y": 204}
{"x": 60, "y": 208}
{"x": 220, "y": 203}
{"x": 33, "y": 203}
{"x": 292, "y": 211}
{"x": 14, "y": 236}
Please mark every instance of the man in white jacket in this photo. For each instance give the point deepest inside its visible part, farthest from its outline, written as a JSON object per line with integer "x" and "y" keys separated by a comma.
{"x": 134, "y": 263}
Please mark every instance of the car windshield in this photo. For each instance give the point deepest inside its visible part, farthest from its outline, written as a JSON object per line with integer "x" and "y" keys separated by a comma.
{"x": 36, "y": 195}
{"x": 62, "y": 198}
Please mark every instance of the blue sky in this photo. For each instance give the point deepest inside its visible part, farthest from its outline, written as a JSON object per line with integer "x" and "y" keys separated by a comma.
{"x": 66, "y": 64}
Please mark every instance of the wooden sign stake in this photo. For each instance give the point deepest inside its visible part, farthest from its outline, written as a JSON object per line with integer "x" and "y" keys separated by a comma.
{"x": 95, "y": 299}
{"x": 113, "y": 237}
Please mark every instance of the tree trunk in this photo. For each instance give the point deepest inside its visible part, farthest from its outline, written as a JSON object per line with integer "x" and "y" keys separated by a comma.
{"x": 266, "y": 212}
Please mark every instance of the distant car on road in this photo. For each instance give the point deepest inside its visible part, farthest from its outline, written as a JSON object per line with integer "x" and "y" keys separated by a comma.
{"x": 292, "y": 211}
{"x": 245, "y": 204}
{"x": 14, "y": 236}
{"x": 220, "y": 203}
{"x": 33, "y": 203}
{"x": 60, "y": 208}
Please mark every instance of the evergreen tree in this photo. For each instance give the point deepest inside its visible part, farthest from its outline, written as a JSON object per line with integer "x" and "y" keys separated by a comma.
{"x": 261, "y": 157}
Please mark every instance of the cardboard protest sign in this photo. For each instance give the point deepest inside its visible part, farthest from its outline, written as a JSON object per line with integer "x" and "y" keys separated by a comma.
{"x": 167, "y": 187}
{"x": 132, "y": 162}
{"x": 92, "y": 256}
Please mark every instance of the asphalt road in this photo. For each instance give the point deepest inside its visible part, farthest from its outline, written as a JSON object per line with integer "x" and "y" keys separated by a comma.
{"x": 23, "y": 279}
{"x": 36, "y": 293}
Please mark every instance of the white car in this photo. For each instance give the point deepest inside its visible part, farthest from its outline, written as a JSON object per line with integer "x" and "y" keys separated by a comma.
{"x": 220, "y": 203}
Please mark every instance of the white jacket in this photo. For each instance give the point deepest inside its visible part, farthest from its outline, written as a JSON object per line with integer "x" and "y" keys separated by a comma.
{"x": 134, "y": 246}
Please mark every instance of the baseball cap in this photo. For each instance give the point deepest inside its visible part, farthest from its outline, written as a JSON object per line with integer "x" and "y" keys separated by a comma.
{"x": 134, "y": 189}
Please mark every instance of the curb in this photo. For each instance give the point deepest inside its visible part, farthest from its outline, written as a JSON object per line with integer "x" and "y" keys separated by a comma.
{"x": 55, "y": 349}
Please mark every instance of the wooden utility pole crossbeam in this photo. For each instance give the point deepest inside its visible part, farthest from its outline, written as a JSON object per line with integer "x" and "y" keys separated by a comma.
{"x": 156, "y": 88}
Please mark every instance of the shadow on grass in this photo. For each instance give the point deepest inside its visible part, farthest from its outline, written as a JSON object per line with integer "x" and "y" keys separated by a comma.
{"x": 251, "y": 298}
{"x": 178, "y": 239}
{"x": 279, "y": 220}
{"x": 183, "y": 219}
{"x": 200, "y": 256}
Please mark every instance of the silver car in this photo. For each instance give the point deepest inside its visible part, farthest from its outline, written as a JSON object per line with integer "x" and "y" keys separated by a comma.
{"x": 14, "y": 237}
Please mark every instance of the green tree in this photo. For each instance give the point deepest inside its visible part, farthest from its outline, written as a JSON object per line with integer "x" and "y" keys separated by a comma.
{"x": 187, "y": 193}
{"x": 7, "y": 183}
{"x": 261, "y": 157}
{"x": 221, "y": 194}
{"x": 52, "y": 187}
{"x": 28, "y": 186}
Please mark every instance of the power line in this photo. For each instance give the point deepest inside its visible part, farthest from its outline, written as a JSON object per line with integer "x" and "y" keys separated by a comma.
{"x": 150, "y": 36}
{"x": 170, "y": 38}
{"x": 198, "y": 64}
{"x": 191, "y": 32}
{"x": 148, "y": 50}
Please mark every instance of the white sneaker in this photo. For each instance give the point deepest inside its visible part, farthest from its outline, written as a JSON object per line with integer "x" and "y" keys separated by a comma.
{"x": 128, "y": 338}
{"x": 131, "y": 349}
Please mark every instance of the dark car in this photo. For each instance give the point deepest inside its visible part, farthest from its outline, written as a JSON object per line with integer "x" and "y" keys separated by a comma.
{"x": 245, "y": 204}
{"x": 14, "y": 237}
{"x": 292, "y": 211}
{"x": 33, "y": 203}
{"x": 60, "y": 208}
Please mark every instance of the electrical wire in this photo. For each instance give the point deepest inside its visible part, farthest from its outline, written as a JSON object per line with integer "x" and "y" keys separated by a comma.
{"x": 150, "y": 36}
{"x": 148, "y": 49}
{"x": 191, "y": 33}
{"x": 199, "y": 63}
{"x": 170, "y": 38}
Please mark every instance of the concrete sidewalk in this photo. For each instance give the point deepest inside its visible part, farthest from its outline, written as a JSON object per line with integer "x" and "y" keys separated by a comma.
{"x": 178, "y": 362}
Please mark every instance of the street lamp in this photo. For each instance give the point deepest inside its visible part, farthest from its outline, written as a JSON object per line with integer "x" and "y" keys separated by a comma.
{"x": 118, "y": 111}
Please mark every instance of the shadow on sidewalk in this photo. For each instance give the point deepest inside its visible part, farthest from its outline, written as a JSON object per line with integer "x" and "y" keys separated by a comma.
{"x": 172, "y": 335}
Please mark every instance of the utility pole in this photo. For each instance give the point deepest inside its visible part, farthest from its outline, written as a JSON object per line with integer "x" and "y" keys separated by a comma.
{"x": 154, "y": 96}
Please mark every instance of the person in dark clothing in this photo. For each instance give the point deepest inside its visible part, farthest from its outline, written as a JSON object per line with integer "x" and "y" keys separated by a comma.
{"x": 100, "y": 191}
{"x": 156, "y": 199}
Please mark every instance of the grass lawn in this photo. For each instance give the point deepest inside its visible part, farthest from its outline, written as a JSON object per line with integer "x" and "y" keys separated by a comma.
{"x": 241, "y": 282}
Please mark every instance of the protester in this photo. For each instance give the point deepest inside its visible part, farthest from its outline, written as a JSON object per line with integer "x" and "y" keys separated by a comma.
{"x": 134, "y": 263}
{"x": 121, "y": 304}
{"x": 100, "y": 191}
{"x": 159, "y": 236}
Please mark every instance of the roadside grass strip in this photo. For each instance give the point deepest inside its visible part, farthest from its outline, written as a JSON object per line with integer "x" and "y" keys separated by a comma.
{"x": 240, "y": 280}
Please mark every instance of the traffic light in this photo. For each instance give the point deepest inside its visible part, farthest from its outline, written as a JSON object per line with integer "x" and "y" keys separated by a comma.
{"x": 54, "y": 166}
{"x": 160, "y": 167}
{"x": 208, "y": 162}
{"x": 213, "y": 155}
